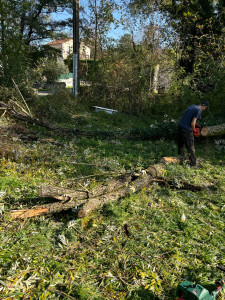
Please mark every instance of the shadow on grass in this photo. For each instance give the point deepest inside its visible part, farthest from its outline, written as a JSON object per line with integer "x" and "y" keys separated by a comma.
{"x": 30, "y": 202}
{"x": 142, "y": 293}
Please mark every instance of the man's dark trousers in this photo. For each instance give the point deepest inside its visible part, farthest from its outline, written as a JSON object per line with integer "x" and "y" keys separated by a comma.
{"x": 186, "y": 139}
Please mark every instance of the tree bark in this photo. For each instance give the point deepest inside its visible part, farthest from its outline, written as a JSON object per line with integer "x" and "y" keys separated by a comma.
{"x": 63, "y": 194}
{"x": 46, "y": 209}
{"x": 126, "y": 190}
{"x": 96, "y": 30}
{"x": 213, "y": 130}
{"x": 155, "y": 79}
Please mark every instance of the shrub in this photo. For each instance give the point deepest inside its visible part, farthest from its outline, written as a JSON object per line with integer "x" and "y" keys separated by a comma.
{"x": 56, "y": 107}
{"x": 50, "y": 69}
{"x": 6, "y": 93}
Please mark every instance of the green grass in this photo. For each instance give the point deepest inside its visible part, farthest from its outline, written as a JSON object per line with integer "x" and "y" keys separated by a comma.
{"x": 63, "y": 257}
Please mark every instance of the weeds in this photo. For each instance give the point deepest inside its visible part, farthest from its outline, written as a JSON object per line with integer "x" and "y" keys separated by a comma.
{"x": 136, "y": 248}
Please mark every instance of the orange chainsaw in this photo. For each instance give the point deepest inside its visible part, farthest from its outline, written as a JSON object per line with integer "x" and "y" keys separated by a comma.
{"x": 197, "y": 130}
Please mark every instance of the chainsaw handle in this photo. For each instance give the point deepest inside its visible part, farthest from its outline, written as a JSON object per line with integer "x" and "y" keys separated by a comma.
{"x": 197, "y": 132}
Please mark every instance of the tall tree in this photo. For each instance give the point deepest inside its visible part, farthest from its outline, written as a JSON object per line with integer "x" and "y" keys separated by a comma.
{"x": 22, "y": 24}
{"x": 98, "y": 17}
{"x": 198, "y": 23}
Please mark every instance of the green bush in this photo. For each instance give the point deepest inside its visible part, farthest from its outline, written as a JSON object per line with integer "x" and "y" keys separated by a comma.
{"x": 56, "y": 107}
{"x": 6, "y": 93}
{"x": 50, "y": 69}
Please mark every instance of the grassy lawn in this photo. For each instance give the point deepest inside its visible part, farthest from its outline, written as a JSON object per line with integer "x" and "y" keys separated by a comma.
{"x": 99, "y": 257}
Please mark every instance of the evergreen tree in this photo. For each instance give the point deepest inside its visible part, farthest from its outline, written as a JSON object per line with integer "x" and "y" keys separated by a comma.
{"x": 23, "y": 24}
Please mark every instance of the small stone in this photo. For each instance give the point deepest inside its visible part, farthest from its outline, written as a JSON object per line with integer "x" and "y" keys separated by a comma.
{"x": 183, "y": 218}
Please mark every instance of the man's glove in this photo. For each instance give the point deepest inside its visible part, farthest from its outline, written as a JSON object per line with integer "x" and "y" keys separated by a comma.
{"x": 197, "y": 130}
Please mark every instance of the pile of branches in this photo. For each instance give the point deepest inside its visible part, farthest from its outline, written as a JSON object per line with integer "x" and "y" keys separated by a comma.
{"x": 18, "y": 112}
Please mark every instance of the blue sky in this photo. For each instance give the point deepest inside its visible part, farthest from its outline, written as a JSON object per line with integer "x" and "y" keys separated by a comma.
{"x": 114, "y": 33}
{"x": 134, "y": 27}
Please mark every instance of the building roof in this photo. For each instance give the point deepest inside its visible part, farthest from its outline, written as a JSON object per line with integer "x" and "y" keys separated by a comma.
{"x": 62, "y": 42}
{"x": 59, "y": 41}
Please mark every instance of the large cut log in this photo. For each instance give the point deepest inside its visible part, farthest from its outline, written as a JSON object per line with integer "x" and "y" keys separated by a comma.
{"x": 138, "y": 184}
{"x": 46, "y": 209}
{"x": 60, "y": 193}
{"x": 71, "y": 198}
{"x": 111, "y": 190}
{"x": 134, "y": 186}
{"x": 213, "y": 130}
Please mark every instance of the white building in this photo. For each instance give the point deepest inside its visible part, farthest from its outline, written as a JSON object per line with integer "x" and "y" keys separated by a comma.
{"x": 66, "y": 47}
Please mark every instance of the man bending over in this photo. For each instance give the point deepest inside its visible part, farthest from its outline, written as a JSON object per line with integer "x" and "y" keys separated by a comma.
{"x": 185, "y": 130}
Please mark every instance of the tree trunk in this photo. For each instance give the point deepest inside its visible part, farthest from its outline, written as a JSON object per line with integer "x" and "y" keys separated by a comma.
{"x": 213, "y": 130}
{"x": 46, "y": 209}
{"x": 96, "y": 30}
{"x": 63, "y": 194}
{"x": 155, "y": 79}
{"x": 126, "y": 190}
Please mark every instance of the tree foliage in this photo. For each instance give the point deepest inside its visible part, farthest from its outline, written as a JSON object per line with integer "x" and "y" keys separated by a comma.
{"x": 172, "y": 47}
{"x": 198, "y": 24}
{"x": 24, "y": 24}
{"x": 50, "y": 69}
{"x": 97, "y": 17}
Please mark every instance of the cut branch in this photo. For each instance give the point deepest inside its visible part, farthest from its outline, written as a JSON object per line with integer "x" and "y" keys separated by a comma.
{"x": 70, "y": 199}
{"x": 179, "y": 185}
{"x": 28, "y": 119}
{"x": 126, "y": 190}
{"x": 20, "y": 107}
{"x": 21, "y": 96}
{"x": 46, "y": 209}
{"x": 63, "y": 194}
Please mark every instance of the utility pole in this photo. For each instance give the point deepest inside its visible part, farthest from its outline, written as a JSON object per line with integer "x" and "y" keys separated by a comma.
{"x": 76, "y": 47}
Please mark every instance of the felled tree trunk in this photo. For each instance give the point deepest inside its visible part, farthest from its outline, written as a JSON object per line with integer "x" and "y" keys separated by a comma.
{"x": 46, "y": 209}
{"x": 64, "y": 194}
{"x": 97, "y": 202}
{"x": 213, "y": 130}
{"x": 110, "y": 190}
{"x": 68, "y": 198}
{"x": 26, "y": 118}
